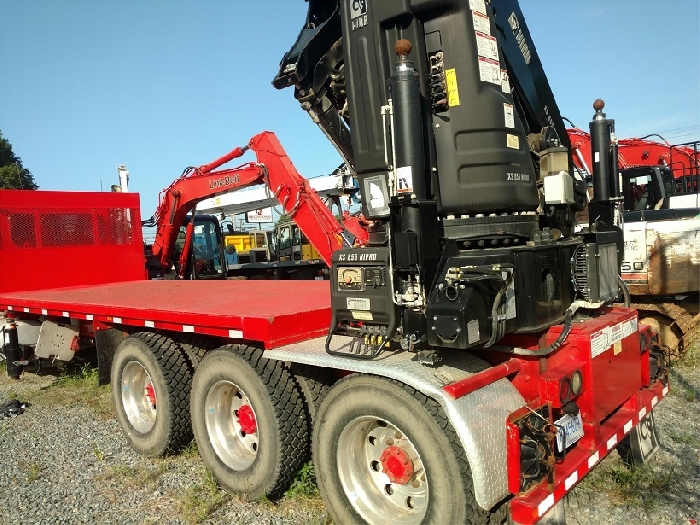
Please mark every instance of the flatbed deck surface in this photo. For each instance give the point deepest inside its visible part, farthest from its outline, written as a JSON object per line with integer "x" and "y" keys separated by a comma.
{"x": 271, "y": 312}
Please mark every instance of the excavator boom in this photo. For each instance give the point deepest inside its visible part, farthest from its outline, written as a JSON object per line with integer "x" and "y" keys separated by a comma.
{"x": 274, "y": 169}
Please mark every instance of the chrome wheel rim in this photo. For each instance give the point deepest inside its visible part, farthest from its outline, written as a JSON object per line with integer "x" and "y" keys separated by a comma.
{"x": 139, "y": 397}
{"x": 231, "y": 425}
{"x": 379, "y": 488}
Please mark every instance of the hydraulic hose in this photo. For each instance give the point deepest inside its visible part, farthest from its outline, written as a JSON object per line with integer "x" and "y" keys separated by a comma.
{"x": 625, "y": 291}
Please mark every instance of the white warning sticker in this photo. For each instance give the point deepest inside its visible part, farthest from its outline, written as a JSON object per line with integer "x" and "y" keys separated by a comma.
{"x": 627, "y": 328}
{"x": 508, "y": 114}
{"x": 505, "y": 83}
{"x": 481, "y": 23}
{"x": 473, "y": 331}
{"x": 487, "y": 46}
{"x": 358, "y": 303}
{"x": 478, "y": 5}
{"x": 404, "y": 179}
{"x": 600, "y": 342}
{"x": 616, "y": 333}
{"x": 489, "y": 70}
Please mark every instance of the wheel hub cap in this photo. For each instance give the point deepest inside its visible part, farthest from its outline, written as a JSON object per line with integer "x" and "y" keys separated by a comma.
{"x": 246, "y": 418}
{"x": 397, "y": 465}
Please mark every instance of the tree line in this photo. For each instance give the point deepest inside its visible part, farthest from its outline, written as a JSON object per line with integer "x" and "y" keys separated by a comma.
{"x": 12, "y": 174}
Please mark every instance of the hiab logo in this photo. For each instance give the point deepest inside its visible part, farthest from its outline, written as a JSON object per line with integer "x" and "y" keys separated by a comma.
{"x": 358, "y": 14}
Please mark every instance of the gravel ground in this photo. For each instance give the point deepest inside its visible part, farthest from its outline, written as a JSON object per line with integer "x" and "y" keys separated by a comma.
{"x": 63, "y": 462}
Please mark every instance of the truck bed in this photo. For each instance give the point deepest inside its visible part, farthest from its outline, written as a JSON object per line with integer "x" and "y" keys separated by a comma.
{"x": 273, "y": 313}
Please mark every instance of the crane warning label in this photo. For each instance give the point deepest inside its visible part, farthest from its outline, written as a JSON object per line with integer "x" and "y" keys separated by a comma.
{"x": 600, "y": 342}
{"x": 487, "y": 46}
{"x": 512, "y": 141}
{"x": 478, "y": 5}
{"x": 489, "y": 71}
{"x": 505, "y": 83}
{"x": 481, "y": 23}
{"x": 508, "y": 114}
{"x": 404, "y": 179}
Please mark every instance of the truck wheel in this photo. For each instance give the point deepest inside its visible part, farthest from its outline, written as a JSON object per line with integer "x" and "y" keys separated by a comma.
{"x": 196, "y": 346}
{"x": 249, "y": 421}
{"x": 385, "y": 453}
{"x": 151, "y": 382}
{"x": 314, "y": 383}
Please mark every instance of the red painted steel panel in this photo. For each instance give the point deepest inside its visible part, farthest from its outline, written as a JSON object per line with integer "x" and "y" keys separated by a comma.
{"x": 609, "y": 349}
{"x": 271, "y": 312}
{"x": 51, "y": 239}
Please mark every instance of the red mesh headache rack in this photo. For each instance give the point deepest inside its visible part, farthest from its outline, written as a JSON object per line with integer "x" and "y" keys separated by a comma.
{"x": 52, "y": 239}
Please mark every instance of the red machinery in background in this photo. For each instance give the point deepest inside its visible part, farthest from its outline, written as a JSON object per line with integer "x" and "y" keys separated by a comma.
{"x": 682, "y": 160}
{"x": 275, "y": 170}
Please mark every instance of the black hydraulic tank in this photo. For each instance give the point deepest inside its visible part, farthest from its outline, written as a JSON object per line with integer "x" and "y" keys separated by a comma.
{"x": 476, "y": 145}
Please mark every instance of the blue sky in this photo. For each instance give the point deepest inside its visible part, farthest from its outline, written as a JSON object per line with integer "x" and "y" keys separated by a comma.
{"x": 159, "y": 85}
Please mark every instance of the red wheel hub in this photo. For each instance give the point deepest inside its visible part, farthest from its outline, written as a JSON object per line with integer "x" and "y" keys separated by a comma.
{"x": 151, "y": 393}
{"x": 246, "y": 418}
{"x": 397, "y": 465}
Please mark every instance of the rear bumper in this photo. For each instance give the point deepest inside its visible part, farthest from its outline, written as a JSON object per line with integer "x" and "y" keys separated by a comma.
{"x": 532, "y": 505}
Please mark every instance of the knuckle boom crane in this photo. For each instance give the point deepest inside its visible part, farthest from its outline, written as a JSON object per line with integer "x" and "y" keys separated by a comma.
{"x": 465, "y": 171}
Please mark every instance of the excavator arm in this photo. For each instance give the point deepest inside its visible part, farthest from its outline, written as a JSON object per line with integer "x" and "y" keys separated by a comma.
{"x": 274, "y": 169}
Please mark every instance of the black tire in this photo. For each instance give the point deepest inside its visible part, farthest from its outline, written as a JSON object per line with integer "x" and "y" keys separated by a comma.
{"x": 240, "y": 374}
{"x": 196, "y": 346}
{"x": 359, "y": 403}
{"x": 314, "y": 383}
{"x": 166, "y": 429}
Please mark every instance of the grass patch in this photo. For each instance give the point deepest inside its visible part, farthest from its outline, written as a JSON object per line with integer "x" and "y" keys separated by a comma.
{"x": 304, "y": 484}
{"x": 685, "y": 439}
{"x": 691, "y": 358}
{"x": 639, "y": 486}
{"x": 31, "y": 470}
{"x": 145, "y": 475}
{"x": 77, "y": 386}
{"x": 202, "y": 499}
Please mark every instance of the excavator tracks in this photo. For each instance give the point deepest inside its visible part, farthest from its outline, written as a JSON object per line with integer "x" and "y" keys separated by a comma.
{"x": 671, "y": 320}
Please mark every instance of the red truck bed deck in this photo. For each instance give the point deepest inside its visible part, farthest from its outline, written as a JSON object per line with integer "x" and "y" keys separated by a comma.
{"x": 270, "y": 312}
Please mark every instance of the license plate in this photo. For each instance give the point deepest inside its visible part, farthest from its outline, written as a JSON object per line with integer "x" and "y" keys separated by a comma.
{"x": 569, "y": 430}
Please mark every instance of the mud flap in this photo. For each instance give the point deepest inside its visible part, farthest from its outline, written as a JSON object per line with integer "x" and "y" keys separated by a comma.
{"x": 644, "y": 441}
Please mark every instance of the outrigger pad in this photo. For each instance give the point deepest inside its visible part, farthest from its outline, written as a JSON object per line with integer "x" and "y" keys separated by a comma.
{"x": 644, "y": 441}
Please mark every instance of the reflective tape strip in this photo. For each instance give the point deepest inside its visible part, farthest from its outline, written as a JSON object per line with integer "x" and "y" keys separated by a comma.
{"x": 187, "y": 328}
{"x": 545, "y": 505}
{"x": 593, "y": 460}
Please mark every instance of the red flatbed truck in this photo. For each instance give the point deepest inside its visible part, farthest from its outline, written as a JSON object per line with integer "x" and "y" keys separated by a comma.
{"x": 282, "y": 322}
{"x": 465, "y": 366}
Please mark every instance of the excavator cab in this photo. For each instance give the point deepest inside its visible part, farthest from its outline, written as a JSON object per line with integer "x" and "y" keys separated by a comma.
{"x": 207, "y": 259}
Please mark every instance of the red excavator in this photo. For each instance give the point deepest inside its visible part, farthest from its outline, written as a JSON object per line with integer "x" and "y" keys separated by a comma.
{"x": 193, "y": 247}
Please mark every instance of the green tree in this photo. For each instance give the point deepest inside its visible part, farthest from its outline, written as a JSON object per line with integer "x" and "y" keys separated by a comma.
{"x": 12, "y": 174}
{"x": 284, "y": 219}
